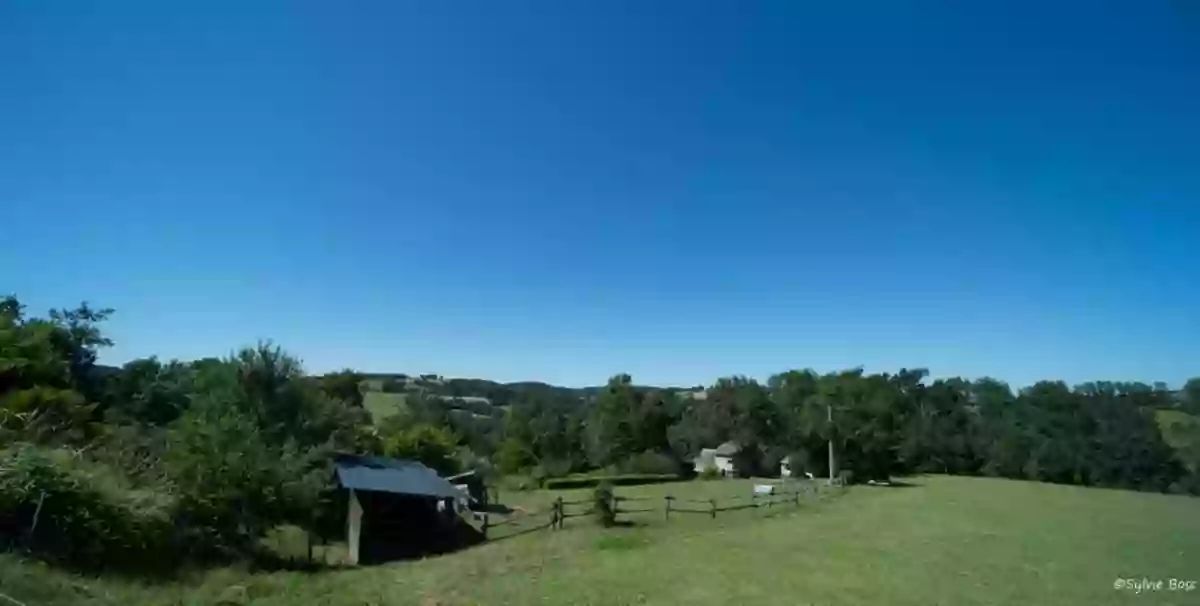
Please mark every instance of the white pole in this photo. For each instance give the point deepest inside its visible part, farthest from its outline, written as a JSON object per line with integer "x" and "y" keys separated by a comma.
{"x": 832, "y": 462}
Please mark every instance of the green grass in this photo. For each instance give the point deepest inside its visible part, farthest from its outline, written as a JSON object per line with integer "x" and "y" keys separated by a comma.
{"x": 382, "y": 405}
{"x": 952, "y": 541}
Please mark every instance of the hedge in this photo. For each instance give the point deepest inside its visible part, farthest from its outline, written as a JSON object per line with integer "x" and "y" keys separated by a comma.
{"x": 615, "y": 480}
{"x": 82, "y": 520}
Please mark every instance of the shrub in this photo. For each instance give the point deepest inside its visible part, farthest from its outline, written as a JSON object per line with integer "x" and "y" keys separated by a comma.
{"x": 710, "y": 473}
{"x": 606, "y": 514}
{"x": 649, "y": 462}
{"x": 88, "y": 519}
{"x": 232, "y": 486}
{"x": 431, "y": 445}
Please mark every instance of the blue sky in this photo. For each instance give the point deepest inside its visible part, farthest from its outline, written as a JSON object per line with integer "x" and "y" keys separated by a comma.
{"x": 563, "y": 191}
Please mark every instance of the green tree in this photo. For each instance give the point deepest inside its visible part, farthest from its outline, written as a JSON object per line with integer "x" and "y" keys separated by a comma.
{"x": 430, "y": 445}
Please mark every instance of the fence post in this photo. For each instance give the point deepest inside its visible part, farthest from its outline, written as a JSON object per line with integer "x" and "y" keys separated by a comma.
{"x": 559, "y": 516}
{"x": 667, "y": 510}
{"x": 485, "y": 524}
{"x": 713, "y": 509}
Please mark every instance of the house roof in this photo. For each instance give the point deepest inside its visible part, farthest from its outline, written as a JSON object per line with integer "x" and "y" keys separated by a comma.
{"x": 727, "y": 449}
{"x": 396, "y": 476}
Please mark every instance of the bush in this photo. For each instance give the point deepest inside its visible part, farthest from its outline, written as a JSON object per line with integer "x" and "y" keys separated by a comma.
{"x": 615, "y": 480}
{"x": 232, "y": 487}
{"x": 88, "y": 520}
{"x": 649, "y": 462}
{"x": 606, "y": 513}
{"x": 430, "y": 445}
{"x": 710, "y": 473}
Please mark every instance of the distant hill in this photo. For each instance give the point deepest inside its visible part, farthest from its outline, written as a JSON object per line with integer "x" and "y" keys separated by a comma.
{"x": 386, "y": 393}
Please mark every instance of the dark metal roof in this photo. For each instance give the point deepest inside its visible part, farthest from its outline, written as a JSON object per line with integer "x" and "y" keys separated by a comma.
{"x": 392, "y": 475}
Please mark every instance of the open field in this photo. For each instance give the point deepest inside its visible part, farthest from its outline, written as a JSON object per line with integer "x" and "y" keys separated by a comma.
{"x": 945, "y": 540}
{"x": 382, "y": 405}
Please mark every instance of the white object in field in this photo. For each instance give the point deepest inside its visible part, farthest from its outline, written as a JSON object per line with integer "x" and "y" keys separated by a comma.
{"x": 764, "y": 489}
{"x": 810, "y": 476}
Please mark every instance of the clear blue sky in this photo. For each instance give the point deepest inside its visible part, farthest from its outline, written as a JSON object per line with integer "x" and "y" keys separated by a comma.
{"x": 566, "y": 190}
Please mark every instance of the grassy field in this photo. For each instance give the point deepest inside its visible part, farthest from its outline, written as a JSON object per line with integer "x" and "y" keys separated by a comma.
{"x": 382, "y": 405}
{"x": 944, "y": 540}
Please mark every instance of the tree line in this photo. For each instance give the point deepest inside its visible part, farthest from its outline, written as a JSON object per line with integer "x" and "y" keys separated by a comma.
{"x": 154, "y": 463}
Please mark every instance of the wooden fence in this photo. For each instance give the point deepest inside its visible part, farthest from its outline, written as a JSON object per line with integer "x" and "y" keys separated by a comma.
{"x": 559, "y": 511}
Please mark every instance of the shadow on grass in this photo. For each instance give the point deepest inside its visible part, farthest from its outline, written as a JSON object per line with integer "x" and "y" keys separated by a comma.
{"x": 494, "y": 508}
{"x": 268, "y": 561}
{"x": 892, "y": 484}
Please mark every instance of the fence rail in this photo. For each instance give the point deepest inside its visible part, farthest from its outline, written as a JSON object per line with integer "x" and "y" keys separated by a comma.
{"x": 558, "y": 513}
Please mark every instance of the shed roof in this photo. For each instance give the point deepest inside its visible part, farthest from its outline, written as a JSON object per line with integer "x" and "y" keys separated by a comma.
{"x": 392, "y": 475}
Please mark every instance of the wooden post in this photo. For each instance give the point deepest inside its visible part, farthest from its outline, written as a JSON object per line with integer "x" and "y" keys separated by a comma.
{"x": 353, "y": 528}
{"x": 558, "y": 512}
{"x": 667, "y": 510}
{"x": 485, "y": 524}
{"x": 713, "y": 510}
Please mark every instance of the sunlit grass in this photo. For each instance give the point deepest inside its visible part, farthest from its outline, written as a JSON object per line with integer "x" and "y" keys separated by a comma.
{"x": 945, "y": 540}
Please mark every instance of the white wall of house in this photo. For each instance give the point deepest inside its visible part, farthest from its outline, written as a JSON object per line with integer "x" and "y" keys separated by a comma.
{"x": 724, "y": 465}
{"x": 709, "y": 459}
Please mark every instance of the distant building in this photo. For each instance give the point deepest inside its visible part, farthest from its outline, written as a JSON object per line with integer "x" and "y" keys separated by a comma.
{"x": 719, "y": 458}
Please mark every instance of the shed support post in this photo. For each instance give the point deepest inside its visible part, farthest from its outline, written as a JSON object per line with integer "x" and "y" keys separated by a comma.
{"x": 353, "y": 528}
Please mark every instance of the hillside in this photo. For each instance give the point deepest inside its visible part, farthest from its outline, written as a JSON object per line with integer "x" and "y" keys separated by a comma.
{"x": 945, "y": 540}
{"x": 385, "y": 393}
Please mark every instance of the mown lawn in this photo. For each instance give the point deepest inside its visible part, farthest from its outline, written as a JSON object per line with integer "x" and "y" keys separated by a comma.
{"x": 945, "y": 540}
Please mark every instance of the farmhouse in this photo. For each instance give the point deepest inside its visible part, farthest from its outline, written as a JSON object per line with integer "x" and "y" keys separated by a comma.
{"x": 719, "y": 458}
{"x": 399, "y": 509}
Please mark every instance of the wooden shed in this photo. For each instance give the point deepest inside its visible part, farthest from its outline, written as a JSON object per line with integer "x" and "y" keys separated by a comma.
{"x": 398, "y": 509}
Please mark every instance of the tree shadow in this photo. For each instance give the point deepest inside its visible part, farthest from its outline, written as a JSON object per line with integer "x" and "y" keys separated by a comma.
{"x": 417, "y": 545}
{"x": 493, "y": 508}
{"x": 892, "y": 484}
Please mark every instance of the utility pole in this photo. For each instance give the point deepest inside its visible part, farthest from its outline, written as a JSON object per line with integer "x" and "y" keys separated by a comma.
{"x": 832, "y": 462}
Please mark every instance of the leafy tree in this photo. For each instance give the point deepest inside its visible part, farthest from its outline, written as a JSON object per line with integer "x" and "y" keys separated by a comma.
{"x": 344, "y": 385}
{"x": 429, "y": 444}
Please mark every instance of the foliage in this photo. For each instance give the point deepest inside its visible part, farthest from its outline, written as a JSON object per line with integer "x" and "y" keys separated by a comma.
{"x": 429, "y": 444}
{"x": 84, "y": 518}
{"x": 345, "y": 385}
{"x": 604, "y": 505}
{"x": 649, "y": 462}
{"x": 235, "y": 446}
